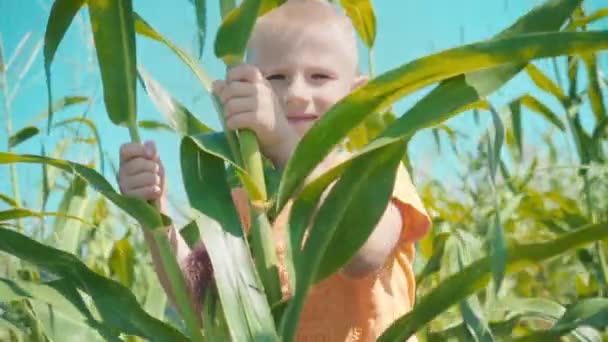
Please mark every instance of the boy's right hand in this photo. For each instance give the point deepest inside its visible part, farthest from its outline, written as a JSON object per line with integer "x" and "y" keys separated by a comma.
{"x": 141, "y": 173}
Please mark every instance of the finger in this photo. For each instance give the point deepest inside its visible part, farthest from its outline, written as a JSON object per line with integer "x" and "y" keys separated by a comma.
{"x": 130, "y": 151}
{"x": 150, "y": 149}
{"x": 244, "y": 120}
{"x": 237, "y": 105}
{"x": 148, "y": 192}
{"x": 244, "y": 73}
{"x": 140, "y": 181}
{"x": 139, "y": 165}
{"x": 237, "y": 89}
{"x": 218, "y": 86}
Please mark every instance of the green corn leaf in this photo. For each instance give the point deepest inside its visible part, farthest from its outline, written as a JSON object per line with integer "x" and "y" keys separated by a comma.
{"x": 242, "y": 295}
{"x": 23, "y": 135}
{"x": 536, "y": 106}
{"x": 434, "y": 263}
{"x": 139, "y": 209}
{"x": 73, "y": 203}
{"x": 581, "y": 22}
{"x": 367, "y": 184}
{"x": 62, "y": 103}
{"x": 68, "y": 315}
{"x": 154, "y": 125}
{"x": 476, "y": 276}
{"x": 156, "y": 298}
{"x": 226, "y": 6}
{"x": 122, "y": 261}
{"x": 60, "y": 18}
{"x": 361, "y": 13}
{"x": 445, "y": 99}
{"x": 499, "y": 137}
{"x": 233, "y": 34}
{"x": 545, "y": 83}
{"x": 116, "y": 305}
{"x": 200, "y": 11}
{"x": 382, "y": 91}
{"x": 515, "y": 108}
{"x": 190, "y": 233}
{"x": 8, "y": 200}
{"x": 144, "y": 29}
{"x": 179, "y": 117}
{"x": 588, "y": 312}
{"x": 216, "y": 144}
{"x": 114, "y": 33}
{"x": 594, "y": 90}
{"x": 17, "y": 213}
{"x": 91, "y": 125}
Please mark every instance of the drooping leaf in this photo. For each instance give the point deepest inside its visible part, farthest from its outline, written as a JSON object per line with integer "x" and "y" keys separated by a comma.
{"x": 144, "y": 29}
{"x": 499, "y": 137}
{"x": 476, "y": 276}
{"x": 536, "y": 106}
{"x": 179, "y": 117}
{"x": 122, "y": 261}
{"x": 200, "y": 11}
{"x": 144, "y": 213}
{"x": 66, "y": 303}
{"x": 60, "y": 18}
{"x": 155, "y": 125}
{"x": 594, "y": 90}
{"x": 73, "y": 203}
{"x": 116, "y": 305}
{"x": 242, "y": 296}
{"x": 21, "y": 136}
{"x": 91, "y": 125}
{"x": 114, "y": 34}
{"x": 361, "y": 13}
{"x": 545, "y": 83}
{"x": 8, "y": 200}
{"x": 515, "y": 108}
{"x": 367, "y": 184}
{"x": 385, "y": 89}
{"x": 17, "y": 213}
{"x": 233, "y": 34}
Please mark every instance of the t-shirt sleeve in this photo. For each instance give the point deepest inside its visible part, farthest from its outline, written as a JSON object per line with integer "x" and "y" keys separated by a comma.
{"x": 415, "y": 219}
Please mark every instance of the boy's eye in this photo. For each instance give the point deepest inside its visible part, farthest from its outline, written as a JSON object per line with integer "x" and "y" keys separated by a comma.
{"x": 275, "y": 77}
{"x": 319, "y": 76}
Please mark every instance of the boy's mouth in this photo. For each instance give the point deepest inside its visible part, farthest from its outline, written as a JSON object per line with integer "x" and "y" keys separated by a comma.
{"x": 301, "y": 117}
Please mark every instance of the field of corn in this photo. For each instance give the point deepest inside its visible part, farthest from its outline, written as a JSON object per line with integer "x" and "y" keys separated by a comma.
{"x": 519, "y": 244}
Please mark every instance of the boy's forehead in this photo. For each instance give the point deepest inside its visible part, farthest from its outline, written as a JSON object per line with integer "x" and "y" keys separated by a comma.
{"x": 307, "y": 26}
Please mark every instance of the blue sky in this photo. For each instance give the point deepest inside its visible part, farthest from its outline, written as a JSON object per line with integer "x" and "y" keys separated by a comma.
{"x": 406, "y": 30}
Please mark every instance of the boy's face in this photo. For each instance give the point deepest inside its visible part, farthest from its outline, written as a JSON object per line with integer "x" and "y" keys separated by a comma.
{"x": 309, "y": 72}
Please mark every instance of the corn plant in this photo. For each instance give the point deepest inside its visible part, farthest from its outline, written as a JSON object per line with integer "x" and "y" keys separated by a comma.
{"x": 244, "y": 301}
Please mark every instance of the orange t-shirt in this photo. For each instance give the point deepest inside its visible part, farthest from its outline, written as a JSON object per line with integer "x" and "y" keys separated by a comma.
{"x": 345, "y": 309}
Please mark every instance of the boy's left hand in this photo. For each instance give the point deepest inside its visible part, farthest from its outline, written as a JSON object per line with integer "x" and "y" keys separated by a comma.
{"x": 250, "y": 103}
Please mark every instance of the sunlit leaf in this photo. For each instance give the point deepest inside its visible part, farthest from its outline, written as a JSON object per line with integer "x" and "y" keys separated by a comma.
{"x": 114, "y": 33}
{"x": 116, "y": 305}
{"x": 73, "y": 203}
{"x": 22, "y": 135}
{"x": 476, "y": 276}
{"x": 594, "y": 90}
{"x": 233, "y": 34}
{"x": 144, "y": 29}
{"x": 154, "y": 125}
{"x": 544, "y": 82}
{"x": 91, "y": 125}
{"x": 122, "y": 261}
{"x": 179, "y": 117}
{"x": 8, "y": 200}
{"x": 247, "y": 312}
{"x": 17, "y": 213}
{"x": 361, "y": 13}
{"x": 60, "y": 18}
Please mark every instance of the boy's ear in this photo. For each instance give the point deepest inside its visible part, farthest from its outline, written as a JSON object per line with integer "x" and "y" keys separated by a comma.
{"x": 360, "y": 81}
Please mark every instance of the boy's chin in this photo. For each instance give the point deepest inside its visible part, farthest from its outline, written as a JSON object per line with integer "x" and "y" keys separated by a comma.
{"x": 301, "y": 127}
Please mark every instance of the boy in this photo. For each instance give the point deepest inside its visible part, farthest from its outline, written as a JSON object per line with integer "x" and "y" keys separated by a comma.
{"x": 302, "y": 59}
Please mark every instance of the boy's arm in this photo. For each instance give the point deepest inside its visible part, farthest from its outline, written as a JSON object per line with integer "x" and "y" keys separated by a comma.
{"x": 381, "y": 242}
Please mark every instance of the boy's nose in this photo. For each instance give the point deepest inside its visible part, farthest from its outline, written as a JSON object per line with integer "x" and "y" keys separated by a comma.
{"x": 298, "y": 93}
